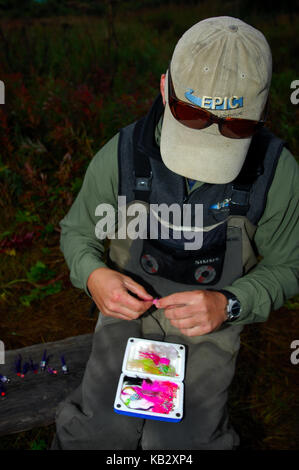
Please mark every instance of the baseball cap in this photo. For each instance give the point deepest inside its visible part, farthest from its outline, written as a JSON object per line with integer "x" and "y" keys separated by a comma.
{"x": 223, "y": 65}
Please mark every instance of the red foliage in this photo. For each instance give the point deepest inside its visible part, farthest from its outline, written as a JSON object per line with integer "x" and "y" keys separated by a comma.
{"x": 36, "y": 180}
{"x": 5, "y": 142}
{"x": 18, "y": 242}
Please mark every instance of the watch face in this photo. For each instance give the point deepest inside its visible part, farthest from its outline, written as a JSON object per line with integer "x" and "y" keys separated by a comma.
{"x": 233, "y": 309}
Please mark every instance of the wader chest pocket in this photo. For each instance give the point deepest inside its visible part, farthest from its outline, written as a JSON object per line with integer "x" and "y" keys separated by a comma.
{"x": 200, "y": 267}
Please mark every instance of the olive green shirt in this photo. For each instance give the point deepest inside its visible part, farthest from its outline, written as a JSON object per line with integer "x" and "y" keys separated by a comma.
{"x": 263, "y": 289}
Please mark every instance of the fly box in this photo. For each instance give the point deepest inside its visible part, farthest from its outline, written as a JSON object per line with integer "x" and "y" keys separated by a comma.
{"x": 151, "y": 383}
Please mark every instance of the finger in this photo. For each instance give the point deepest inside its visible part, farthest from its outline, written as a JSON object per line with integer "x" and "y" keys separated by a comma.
{"x": 183, "y": 311}
{"x": 172, "y": 300}
{"x": 121, "y": 312}
{"x": 137, "y": 289}
{"x": 178, "y": 312}
{"x": 122, "y": 302}
{"x": 133, "y": 313}
{"x": 126, "y": 300}
{"x": 111, "y": 313}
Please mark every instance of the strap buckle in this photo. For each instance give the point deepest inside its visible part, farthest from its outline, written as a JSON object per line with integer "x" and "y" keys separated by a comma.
{"x": 143, "y": 183}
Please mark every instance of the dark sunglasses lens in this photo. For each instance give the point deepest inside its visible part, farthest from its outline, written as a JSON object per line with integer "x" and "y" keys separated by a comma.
{"x": 189, "y": 116}
{"x": 238, "y": 128}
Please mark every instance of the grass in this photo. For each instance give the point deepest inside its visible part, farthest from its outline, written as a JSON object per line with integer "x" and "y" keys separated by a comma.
{"x": 71, "y": 83}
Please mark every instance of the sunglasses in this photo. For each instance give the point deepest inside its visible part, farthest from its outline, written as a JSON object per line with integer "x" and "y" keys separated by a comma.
{"x": 198, "y": 118}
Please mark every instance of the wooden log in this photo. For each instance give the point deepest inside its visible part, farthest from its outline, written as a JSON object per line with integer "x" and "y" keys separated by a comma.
{"x": 32, "y": 401}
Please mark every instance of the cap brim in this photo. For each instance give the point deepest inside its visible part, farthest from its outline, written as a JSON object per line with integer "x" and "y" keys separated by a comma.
{"x": 204, "y": 155}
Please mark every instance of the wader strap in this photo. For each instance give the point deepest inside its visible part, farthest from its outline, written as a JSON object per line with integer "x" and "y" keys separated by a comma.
{"x": 239, "y": 204}
{"x": 253, "y": 167}
{"x": 142, "y": 168}
{"x": 248, "y": 191}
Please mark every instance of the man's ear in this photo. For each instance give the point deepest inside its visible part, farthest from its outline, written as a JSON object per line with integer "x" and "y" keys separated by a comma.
{"x": 162, "y": 87}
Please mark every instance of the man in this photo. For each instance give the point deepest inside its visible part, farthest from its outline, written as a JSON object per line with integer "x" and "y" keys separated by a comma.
{"x": 202, "y": 142}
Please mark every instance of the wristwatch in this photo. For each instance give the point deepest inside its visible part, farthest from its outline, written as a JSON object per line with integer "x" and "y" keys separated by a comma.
{"x": 233, "y": 307}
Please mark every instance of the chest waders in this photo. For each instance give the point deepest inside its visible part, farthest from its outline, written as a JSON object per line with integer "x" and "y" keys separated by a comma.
{"x": 86, "y": 420}
{"x": 230, "y": 213}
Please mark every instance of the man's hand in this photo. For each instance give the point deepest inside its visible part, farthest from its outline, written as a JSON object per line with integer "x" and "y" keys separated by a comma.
{"x": 195, "y": 313}
{"x": 109, "y": 290}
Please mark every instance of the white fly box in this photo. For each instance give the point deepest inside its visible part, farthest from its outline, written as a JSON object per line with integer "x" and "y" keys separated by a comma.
{"x": 151, "y": 383}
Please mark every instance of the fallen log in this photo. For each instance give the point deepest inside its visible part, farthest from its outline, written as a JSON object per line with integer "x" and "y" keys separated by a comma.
{"x": 31, "y": 401}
